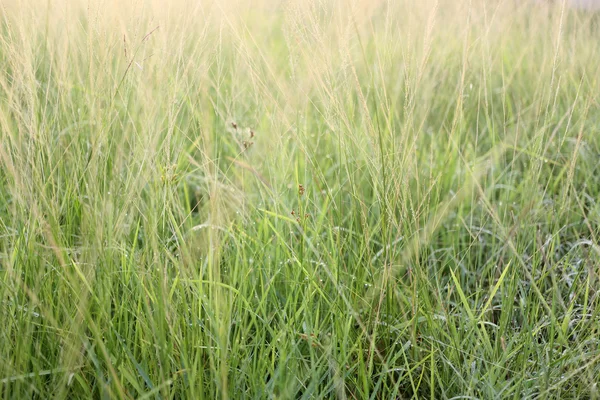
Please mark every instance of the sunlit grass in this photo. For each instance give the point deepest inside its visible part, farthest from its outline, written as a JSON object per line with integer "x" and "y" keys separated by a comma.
{"x": 303, "y": 199}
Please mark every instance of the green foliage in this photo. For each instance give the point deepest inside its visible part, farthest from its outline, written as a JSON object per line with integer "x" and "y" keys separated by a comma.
{"x": 311, "y": 200}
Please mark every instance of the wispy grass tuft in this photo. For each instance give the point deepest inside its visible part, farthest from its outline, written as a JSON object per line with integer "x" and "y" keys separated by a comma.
{"x": 372, "y": 199}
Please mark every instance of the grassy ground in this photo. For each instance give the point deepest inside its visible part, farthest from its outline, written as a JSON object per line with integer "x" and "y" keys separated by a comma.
{"x": 300, "y": 199}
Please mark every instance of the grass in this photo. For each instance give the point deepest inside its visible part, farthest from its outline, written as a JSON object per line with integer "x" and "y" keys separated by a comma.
{"x": 301, "y": 199}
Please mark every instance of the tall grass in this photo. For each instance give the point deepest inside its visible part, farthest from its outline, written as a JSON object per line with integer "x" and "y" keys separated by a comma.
{"x": 299, "y": 199}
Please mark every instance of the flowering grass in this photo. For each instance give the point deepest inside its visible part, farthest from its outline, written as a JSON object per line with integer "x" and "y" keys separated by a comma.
{"x": 299, "y": 199}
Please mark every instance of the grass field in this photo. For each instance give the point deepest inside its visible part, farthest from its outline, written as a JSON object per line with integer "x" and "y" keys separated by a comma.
{"x": 299, "y": 199}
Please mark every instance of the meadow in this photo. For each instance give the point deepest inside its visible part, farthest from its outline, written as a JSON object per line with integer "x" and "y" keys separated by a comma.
{"x": 299, "y": 199}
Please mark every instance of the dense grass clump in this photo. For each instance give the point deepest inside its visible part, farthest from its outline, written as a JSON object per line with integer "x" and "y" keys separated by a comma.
{"x": 299, "y": 199}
